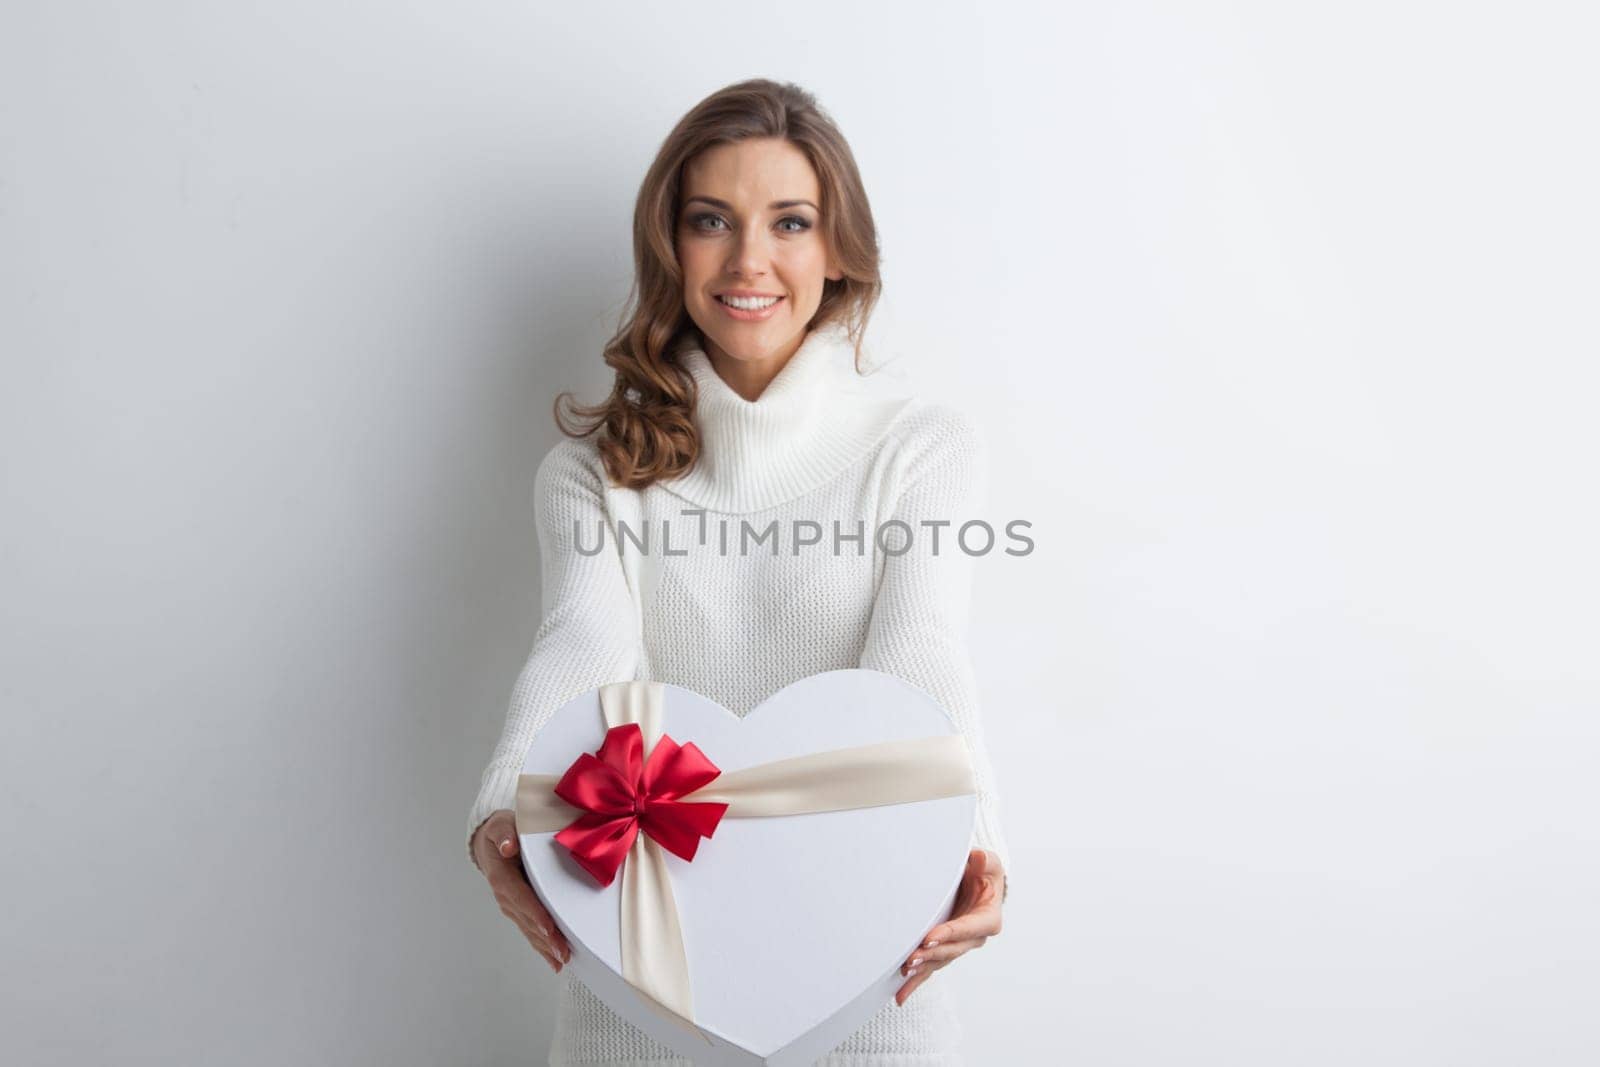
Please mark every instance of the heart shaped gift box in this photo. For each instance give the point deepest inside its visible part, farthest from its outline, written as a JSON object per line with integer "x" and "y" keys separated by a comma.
{"x": 767, "y": 875}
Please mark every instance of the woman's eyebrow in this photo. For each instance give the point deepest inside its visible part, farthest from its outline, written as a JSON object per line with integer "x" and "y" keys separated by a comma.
{"x": 774, "y": 206}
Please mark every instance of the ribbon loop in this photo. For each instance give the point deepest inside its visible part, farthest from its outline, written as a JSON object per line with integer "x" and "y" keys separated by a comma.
{"x": 620, "y": 793}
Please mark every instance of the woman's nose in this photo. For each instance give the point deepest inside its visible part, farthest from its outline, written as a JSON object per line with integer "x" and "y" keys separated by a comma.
{"x": 749, "y": 258}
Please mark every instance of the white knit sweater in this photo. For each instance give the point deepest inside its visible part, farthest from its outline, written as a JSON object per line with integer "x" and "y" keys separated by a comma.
{"x": 822, "y": 447}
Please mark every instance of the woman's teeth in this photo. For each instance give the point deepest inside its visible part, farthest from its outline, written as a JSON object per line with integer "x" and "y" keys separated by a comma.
{"x": 749, "y": 303}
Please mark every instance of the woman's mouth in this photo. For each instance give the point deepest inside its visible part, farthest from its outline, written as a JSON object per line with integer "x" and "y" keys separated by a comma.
{"x": 747, "y": 309}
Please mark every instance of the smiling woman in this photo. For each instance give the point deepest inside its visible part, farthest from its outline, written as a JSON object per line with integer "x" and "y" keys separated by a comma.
{"x": 754, "y": 262}
{"x": 739, "y": 396}
{"x": 753, "y": 194}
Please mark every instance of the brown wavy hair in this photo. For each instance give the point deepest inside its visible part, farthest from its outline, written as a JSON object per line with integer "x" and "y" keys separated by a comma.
{"x": 648, "y": 431}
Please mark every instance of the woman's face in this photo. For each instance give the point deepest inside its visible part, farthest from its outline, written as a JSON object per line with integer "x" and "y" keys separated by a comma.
{"x": 749, "y": 222}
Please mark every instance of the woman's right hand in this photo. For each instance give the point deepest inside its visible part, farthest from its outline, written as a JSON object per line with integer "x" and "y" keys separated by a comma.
{"x": 495, "y": 847}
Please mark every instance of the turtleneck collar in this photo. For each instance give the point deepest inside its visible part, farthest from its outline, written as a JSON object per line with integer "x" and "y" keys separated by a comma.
{"x": 815, "y": 418}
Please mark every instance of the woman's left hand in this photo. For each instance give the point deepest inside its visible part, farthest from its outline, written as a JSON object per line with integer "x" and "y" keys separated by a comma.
{"x": 973, "y": 920}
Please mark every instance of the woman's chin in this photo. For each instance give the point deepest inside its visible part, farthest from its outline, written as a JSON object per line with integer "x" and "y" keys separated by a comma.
{"x": 748, "y": 343}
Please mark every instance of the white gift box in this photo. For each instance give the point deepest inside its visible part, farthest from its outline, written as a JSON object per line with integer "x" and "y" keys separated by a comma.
{"x": 792, "y": 927}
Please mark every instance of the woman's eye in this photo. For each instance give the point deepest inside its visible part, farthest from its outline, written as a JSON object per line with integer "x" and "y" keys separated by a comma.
{"x": 788, "y": 224}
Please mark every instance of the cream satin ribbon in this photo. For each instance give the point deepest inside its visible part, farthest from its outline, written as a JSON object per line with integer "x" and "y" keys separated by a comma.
{"x": 654, "y": 960}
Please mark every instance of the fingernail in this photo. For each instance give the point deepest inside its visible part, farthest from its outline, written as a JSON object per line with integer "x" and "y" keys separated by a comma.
{"x": 915, "y": 960}
{"x": 505, "y": 844}
{"x": 929, "y": 944}
{"x": 911, "y": 972}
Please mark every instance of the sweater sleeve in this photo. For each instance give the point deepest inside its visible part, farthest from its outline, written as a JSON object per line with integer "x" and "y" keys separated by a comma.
{"x": 920, "y": 612}
{"x": 588, "y": 634}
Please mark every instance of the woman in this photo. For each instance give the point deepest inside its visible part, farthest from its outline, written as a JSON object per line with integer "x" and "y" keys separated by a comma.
{"x": 738, "y": 400}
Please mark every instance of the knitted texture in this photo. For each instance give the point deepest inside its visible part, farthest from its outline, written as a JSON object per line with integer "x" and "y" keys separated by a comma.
{"x": 776, "y": 557}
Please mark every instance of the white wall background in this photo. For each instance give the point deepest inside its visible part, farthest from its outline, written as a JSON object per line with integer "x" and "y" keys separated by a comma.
{"x": 1280, "y": 320}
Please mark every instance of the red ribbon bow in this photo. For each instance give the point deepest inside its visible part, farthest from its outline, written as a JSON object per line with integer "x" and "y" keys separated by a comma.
{"x": 622, "y": 794}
